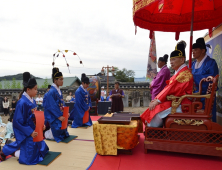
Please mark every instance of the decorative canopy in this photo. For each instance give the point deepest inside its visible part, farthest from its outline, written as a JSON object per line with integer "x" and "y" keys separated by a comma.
{"x": 175, "y": 15}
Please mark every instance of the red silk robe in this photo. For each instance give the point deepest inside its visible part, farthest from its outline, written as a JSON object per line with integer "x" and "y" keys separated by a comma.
{"x": 180, "y": 84}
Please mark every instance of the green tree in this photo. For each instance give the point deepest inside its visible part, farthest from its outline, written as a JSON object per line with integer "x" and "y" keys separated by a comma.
{"x": 125, "y": 75}
{"x": 13, "y": 86}
{"x": 0, "y": 85}
{"x": 45, "y": 84}
{"x": 8, "y": 85}
{"x": 18, "y": 85}
{"x": 5, "y": 84}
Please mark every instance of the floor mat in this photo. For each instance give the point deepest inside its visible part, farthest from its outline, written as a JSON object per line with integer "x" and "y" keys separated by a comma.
{"x": 49, "y": 158}
{"x": 66, "y": 140}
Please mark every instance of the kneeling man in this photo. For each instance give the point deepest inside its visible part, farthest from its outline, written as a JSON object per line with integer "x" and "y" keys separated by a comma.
{"x": 180, "y": 84}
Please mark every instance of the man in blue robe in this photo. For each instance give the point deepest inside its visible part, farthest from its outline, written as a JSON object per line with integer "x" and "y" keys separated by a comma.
{"x": 29, "y": 152}
{"x": 83, "y": 104}
{"x": 203, "y": 67}
{"x": 54, "y": 109}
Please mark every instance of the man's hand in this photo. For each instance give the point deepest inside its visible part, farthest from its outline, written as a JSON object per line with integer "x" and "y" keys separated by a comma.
{"x": 153, "y": 104}
{"x": 61, "y": 118}
{"x": 34, "y": 134}
{"x": 68, "y": 115}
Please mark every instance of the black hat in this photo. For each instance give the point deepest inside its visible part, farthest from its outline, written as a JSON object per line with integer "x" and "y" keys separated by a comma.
{"x": 179, "y": 50}
{"x": 49, "y": 86}
{"x": 55, "y": 73}
{"x": 200, "y": 43}
{"x": 164, "y": 58}
{"x": 28, "y": 81}
{"x": 84, "y": 79}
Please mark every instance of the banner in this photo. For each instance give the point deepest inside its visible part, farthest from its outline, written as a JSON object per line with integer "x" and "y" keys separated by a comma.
{"x": 151, "y": 66}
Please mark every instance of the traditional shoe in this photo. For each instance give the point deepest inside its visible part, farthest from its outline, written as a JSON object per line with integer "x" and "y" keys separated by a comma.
{"x": 2, "y": 156}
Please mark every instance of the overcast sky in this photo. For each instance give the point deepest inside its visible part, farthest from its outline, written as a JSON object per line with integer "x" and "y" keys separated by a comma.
{"x": 101, "y": 32}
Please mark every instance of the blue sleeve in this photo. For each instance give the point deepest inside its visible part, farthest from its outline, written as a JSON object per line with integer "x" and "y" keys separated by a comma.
{"x": 122, "y": 93}
{"x": 20, "y": 119}
{"x": 80, "y": 101}
{"x": 52, "y": 106}
{"x": 110, "y": 93}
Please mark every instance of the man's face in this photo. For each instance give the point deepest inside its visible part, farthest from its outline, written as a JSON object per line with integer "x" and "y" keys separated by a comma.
{"x": 116, "y": 86}
{"x": 176, "y": 62}
{"x": 85, "y": 85}
{"x": 32, "y": 92}
{"x": 160, "y": 64}
{"x": 197, "y": 52}
{"x": 59, "y": 81}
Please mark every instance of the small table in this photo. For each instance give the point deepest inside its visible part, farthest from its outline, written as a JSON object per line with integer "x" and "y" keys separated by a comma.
{"x": 103, "y": 107}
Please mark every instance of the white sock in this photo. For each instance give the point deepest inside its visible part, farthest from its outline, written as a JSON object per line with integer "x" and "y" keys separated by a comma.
{"x": 49, "y": 135}
{"x": 17, "y": 153}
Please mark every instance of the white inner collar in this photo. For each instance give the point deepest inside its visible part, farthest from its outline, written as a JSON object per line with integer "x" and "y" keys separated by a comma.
{"x": 59, "y": 91}
{"x": 180, "y": 68}
{"x": 199, "y": 64}
{"x": 83, "y": 88}
{"x": 28, "y": 97}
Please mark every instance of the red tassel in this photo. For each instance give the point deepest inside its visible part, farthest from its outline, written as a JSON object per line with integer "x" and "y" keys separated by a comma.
{"x": 177, "y": 36}
{"x": 63, "y": 55}
{"x": 210, "y": 32}
{"x": 80, "y": 62}
{"x": 67, "y": 65}
{"x": 53, "y": 63}
{"x": 74, "y": 53}
{"x": 151, "y": 34}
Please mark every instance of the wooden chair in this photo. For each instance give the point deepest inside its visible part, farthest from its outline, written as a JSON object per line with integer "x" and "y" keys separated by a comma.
{"x": 191, "y": 131}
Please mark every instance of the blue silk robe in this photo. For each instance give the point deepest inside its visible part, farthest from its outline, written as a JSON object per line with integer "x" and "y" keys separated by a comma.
{"x": 83, "y": 102}
{"x": 31, "y": 152}
{"x": 52, "y": 112}
{"x": 208, "y": 68}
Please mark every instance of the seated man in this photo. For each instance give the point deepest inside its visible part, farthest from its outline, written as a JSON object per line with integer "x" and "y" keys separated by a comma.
{"x": 82, "y": 105}
{"x": 203, "y": 67}
{"x": 180, "y": 84}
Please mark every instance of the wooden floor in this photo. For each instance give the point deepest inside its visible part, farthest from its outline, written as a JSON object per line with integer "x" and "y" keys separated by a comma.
{"x": 78, "y": 154}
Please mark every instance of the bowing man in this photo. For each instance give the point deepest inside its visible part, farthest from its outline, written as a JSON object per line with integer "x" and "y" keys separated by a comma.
{"x": 54, "y": 109}
{"x": 180, "y": 84}
{"x": 203, "y": 67}
{"x": 28, "y": 152}
{"x": 82, "y": 105}
{"x": 159, "y": 82}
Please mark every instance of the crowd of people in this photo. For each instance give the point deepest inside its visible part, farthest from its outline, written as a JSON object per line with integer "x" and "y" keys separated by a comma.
{"x": 181, "y": 83}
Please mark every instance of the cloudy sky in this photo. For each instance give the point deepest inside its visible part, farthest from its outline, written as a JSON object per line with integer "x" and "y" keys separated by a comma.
{"x": 101, "y": 32}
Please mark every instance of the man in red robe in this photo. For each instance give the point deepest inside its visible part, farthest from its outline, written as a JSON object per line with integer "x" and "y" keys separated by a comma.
{"x": 180, "y": 84}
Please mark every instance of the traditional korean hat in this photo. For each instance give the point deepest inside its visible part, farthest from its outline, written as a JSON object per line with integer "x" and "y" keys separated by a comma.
{"x": 164, "y": 58}
{"x": 28, "y": 81}
{"x": 84, "y": 79}
{"x": 179, "y": 50}
{"x": 200, "y": 43}
{"x": 55, "y": 73}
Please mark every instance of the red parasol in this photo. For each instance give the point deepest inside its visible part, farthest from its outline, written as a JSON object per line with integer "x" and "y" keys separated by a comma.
{"x": 177, "y": 16}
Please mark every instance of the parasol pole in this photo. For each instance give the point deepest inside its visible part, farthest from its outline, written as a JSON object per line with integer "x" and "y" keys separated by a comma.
{"x": 191, "y": 35}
